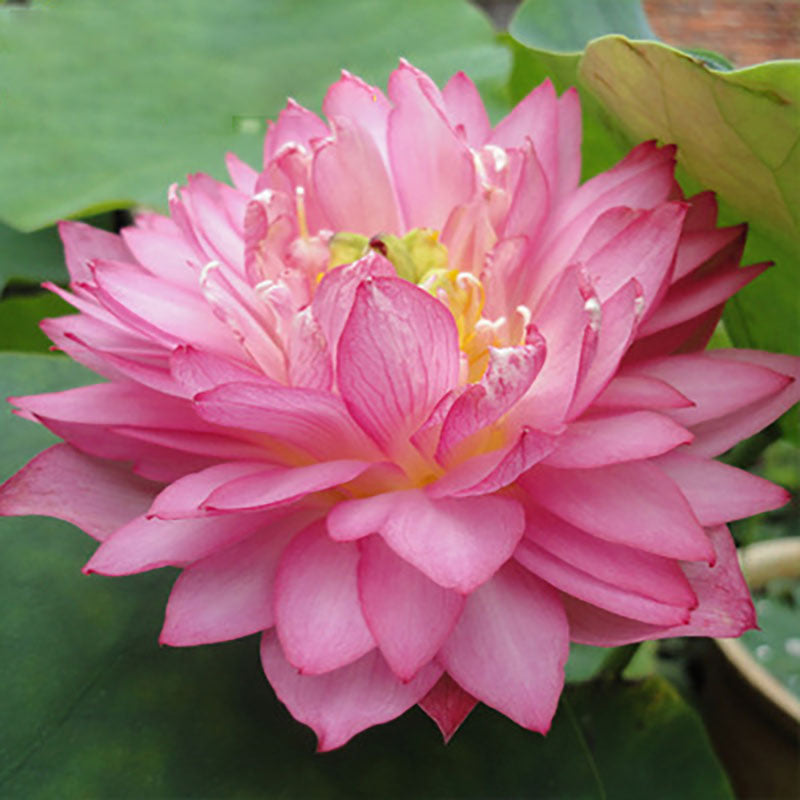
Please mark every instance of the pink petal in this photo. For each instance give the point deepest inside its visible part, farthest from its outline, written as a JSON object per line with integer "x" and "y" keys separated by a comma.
{"x": 458, "y": 543}
{"x": 346, "y": 701}
{"x": 97, "y": 496}
{"x": 353, "y": 184}
{"x": 465, "y": 109}
{"x": 448, "y": 705}
{"x": 716, "y": 384}
{"x": 719, "y": 493}
{"x": 633, "y": 504}
{"x": 569, "y": 143}
{"x": 509, "y": 647}
{"x": 312, "y": 421}
{"x": 510, "y": 373}
{"x": 226, "y": 595}
{"x": 425, "y": 151}
{"x": 398, "y": 355}
{"x": 310, "y": 363}
{"x": 724, "y": 605}
{"x": 531, "y": 199}
{"x": 408, "y": 614}
{"x": 534, "y": 118}
{"x": 562, "y": 320}
{"x": 488, "y": 472}
{"x": 84, "y": 243}
{"x": 699, "y": 246}
{"x": 689, "y": 300}
{"x": 597, "y": 441}
{"x": 587, "y": 587}
{"x": 636, "y": 391}
{"x": 717, "y": 435}
{"x": 617, "y": 326}
{"x": 184, "y": 497}
{"x": 318, "y": 615}
{"x": 164, "y": 255}
{"x": 145, "y": 543}
{"x": 336, "y": 294}
{"x": 363, "y": 104}
{"x": 243, "y": 175}
{"x": 198, "y": 370}
{"x": 644, "y": 250}
{"x": 275, "y": 485}
{"x": 295, "y": 126}
{"x": 635, "y": 571}
{"x": 113, "y": 404}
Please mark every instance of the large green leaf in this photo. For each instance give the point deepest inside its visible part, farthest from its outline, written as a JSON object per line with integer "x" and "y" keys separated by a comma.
{"x": 564, "y": 26}
{"x": 31, "y": 257}
{"x": 92, "y": 707}
{"x": 738, "y": 133}
{"x": 105, "y": 103}
{"x": 20, "y": 317}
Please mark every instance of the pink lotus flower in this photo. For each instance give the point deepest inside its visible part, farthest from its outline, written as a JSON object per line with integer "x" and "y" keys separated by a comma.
{"x": 414, "y": 404}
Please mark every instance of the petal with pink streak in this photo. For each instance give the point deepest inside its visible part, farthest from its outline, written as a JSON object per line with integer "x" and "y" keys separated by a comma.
{"x": 353, "y": 184}
{"x": 633, "y": 504}
{"x": 425, "y": 152}
{"x": 465, "y": 110}
{"x": 398, "y": 355}
{"x": 448, "y": 705}
{"x": 275, "y": 485}
{"x": 635, "y": 571}
{"x": 184, "y": 497}
{"x": 716, "y": 384}
{"x": 318, "y": 615}
{"x": 587, "y": 587}
{"x": 598, "y": 441}
{"x": 227, "y": 594}
{"x": 719, "y": 493}
{"x": 509, "y": 647}
{"x": 145, "y": 544}
{"x": 409, "y": 615}
{"x": 458, "y": 543}
{"x": 346, "y": 701}
{"x": 312, "y": 421}
{"x": 510, "y": 373}
{"x": 84, "y": 243}
{"x": 295, "y": 125}
{"x": 309, "y": 355}
{"x": 534, "y": 118}
{"x": 724, "y": 605}
{"x": 337, "y": 292}
{"x": 716, "y": 435}
{"x": 97, "y": 496}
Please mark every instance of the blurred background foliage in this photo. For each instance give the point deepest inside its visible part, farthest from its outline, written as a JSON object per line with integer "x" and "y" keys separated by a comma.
{"x": 102, "y": 106}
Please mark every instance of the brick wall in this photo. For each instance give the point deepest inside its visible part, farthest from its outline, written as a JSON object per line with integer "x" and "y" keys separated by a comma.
{"x": 745, "y": 31}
